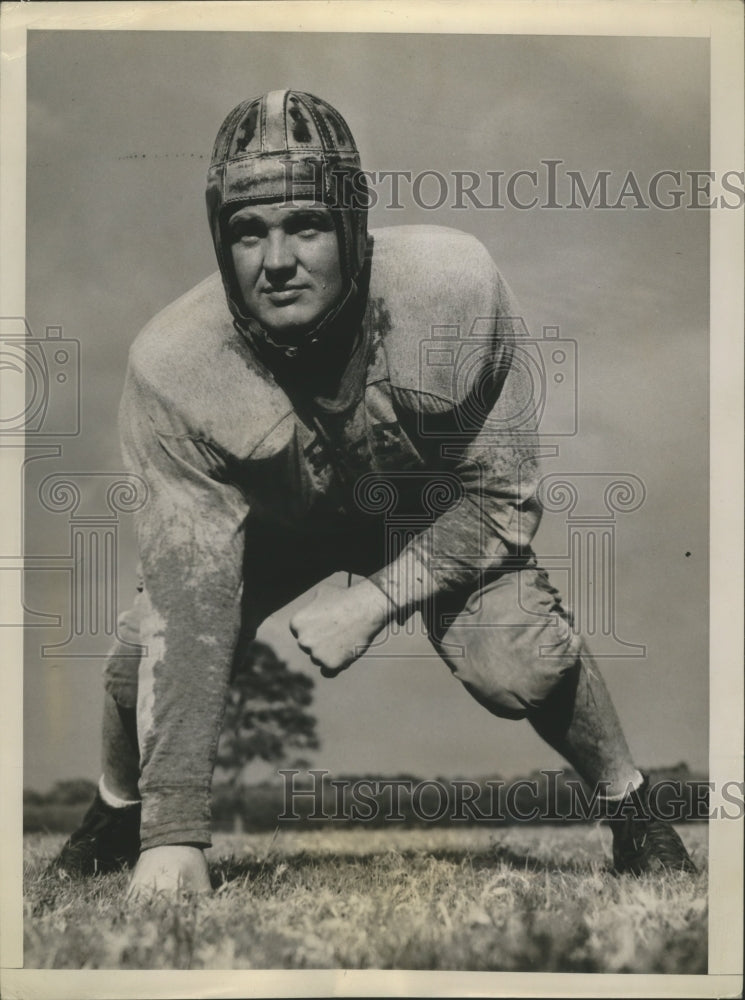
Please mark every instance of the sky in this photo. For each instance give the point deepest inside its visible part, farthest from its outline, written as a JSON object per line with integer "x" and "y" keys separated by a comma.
{"x": 120, "y": 128}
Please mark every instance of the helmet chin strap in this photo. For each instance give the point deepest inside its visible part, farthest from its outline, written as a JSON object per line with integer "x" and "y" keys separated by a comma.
{"x": 261, "y": 336}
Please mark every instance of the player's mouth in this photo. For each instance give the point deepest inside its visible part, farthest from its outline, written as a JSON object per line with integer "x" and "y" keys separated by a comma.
{"x": 284, "y": 296}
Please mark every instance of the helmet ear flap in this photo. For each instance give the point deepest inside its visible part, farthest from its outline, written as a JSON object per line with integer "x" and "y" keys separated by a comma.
{"x": 223, "y": 249}
{"x": 349, "y": 197}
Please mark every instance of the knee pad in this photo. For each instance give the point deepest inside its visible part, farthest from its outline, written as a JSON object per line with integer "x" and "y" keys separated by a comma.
{"x": 510, "y": 673}
{"x": 510, "y": 642}
{"x": 518, "y": 697}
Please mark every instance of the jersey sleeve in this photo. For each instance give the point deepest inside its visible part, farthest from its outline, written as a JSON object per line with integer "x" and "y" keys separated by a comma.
{"x": 190, "y": 538}
{"x": 486, "y": 446}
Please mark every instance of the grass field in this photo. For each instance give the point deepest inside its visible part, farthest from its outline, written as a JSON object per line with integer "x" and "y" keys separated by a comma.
{"x": 526, "y": 898}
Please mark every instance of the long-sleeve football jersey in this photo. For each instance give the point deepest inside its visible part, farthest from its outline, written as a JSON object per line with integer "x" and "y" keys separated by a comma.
{"x": 430, "y": 424}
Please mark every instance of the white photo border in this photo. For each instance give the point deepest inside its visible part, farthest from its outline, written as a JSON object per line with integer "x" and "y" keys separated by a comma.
{"x": 719, "y": 20}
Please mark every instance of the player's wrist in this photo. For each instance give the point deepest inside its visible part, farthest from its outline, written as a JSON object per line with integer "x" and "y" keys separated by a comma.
{"x": 378, "y": 600}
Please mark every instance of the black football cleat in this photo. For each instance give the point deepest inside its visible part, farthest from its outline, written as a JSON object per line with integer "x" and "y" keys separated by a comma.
{"x": 642, "y": 843}
{"x": 107, "y": 840}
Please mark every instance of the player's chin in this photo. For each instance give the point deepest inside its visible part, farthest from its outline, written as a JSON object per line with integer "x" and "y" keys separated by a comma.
{"x": 291, "y": 323}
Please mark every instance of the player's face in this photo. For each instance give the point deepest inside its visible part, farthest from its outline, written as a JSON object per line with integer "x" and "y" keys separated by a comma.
{"x": 286, "y": 260}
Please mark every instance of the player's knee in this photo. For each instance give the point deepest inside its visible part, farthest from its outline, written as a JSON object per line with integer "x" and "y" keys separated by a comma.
{"x": 515, "y": 686}
{"x": 123, "y": 689}
{"x": 498, "y": 700}
{"x": 517, "y": 698}
{"x": 120, "y": 674}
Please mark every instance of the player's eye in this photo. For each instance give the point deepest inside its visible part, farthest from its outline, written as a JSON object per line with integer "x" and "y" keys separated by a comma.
{"x": 309, "y": 224}
{"x": 246, "y": 231}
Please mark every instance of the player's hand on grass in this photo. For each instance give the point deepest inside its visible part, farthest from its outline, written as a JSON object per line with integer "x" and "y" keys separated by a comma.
{"x": 339, "y": 624}
{"x": 170, "y": 869}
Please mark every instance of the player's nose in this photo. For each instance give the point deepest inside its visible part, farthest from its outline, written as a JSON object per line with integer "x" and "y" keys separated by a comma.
{"x": 278, "y": 253}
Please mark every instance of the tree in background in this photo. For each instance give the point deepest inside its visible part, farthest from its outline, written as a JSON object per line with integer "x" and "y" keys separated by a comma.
{"x": 266, "y": 717}
{"x": 72, "y": 792}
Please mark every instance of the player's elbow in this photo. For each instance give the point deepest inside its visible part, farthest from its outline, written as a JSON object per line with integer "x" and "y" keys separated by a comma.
{"x": 528, "y": 516}
{"x": 516, "y": 522}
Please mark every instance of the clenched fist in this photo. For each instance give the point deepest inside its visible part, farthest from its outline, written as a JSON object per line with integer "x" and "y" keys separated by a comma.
{"x": 339, "y": 624}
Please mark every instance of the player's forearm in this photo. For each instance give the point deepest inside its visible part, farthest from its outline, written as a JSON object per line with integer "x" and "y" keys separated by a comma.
{"x": 183, "y": 681}
{"x": 495, "y": 469}
{"x": 478, "y": 536}
{"x": 192, "y": 570}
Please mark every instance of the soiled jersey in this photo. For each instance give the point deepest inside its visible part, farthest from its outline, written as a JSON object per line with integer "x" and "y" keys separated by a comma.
{"x": 431, "y": 424}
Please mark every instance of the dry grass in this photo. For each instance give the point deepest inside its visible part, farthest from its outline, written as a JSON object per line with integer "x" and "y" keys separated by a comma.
{"x": 520, "y": 899}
